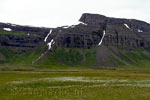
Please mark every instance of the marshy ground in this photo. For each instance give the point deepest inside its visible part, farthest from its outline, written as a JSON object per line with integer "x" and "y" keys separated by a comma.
{"x": 76, "y": 85}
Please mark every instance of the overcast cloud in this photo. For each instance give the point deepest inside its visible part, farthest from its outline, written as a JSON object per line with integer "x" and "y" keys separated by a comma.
{"x": 53, "y": 13}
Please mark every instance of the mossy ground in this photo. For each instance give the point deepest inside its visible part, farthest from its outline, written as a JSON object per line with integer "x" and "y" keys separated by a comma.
{"x": 39, "y": 85}
{"x": 135, "y": 58}
{"x": 55, "y": 58}
{"x": 75, "y": 58}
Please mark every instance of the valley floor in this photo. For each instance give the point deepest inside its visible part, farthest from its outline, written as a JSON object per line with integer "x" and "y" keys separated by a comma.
{"x": 75, "y": 85}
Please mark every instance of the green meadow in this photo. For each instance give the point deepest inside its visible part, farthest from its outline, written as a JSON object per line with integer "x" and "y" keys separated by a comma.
{"x": 79, "y": 84}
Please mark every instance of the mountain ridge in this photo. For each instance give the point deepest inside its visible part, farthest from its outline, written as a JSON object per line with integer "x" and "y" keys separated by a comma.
{"x": 108, "y": 39}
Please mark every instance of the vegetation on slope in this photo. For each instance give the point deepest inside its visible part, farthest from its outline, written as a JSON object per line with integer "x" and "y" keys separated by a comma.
{"x": 57, "y": 58}
{"x": 60, "y": 57}
{"x": 69, "y": 56}
{"x": 139, "y": 58}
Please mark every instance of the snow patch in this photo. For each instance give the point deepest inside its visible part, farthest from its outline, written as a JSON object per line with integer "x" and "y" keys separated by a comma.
{"x": 7, "y": 29}
{"x": 28, "y": 34}
{"x": 72, "y": 26}
{"x": 140, "y": 30}
{"x": 49, "y": 47}
{"x": 126, "y": 25}
{"x": 102, "y": 38}
{"x": 50, "y": 44}
{"x": 82, "y": 23}
{"x": 79, "y": 22}
{"x": 47, "y": 36}
{"x": 65, "y": 27}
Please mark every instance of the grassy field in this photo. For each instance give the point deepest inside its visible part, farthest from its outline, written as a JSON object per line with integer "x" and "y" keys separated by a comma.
{"x": 101, "y": 84}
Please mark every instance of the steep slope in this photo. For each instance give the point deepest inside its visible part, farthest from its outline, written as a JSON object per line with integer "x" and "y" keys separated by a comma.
{"x": 109, "y": 36}
{"x": 119, "y": 32}
{"x": 97, "y": 41}
{"x": 21, "y": 38}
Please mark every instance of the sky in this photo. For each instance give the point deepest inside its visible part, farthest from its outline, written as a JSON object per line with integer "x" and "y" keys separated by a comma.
{"x": 54, "y": 13}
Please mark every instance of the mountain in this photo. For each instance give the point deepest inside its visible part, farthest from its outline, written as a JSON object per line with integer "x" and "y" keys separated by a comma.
{"x": 96, "y": 41}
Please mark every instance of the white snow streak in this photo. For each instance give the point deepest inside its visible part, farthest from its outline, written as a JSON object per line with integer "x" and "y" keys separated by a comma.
{"x": 47, "y": 36}
{"x": 140, "y": 30}
{"x": 82, "y": 23}
{"x": 43, "y": 54}
{"x": 79, "y": 22}
{"x": 102, "y": 38}
{"x": 66, "y": 26}
{"x": 50, "y": 44}
{"x": 49, "y": 47}
{"x": 7, "y": 29}
{"x": 72, "y": 26}
{"x": 126, "y": 25}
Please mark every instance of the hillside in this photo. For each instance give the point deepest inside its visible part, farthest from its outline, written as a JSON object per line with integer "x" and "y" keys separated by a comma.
{"x": 96, "y": 41}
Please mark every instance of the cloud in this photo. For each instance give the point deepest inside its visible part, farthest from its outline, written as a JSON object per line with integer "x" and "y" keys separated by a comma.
{"x": 53, "y": 13}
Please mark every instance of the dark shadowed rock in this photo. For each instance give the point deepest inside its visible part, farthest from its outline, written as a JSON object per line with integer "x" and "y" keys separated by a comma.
{"x": 119, "y": 32}
{"x": 93, "y": 19}
{"x": 88, "y": 34}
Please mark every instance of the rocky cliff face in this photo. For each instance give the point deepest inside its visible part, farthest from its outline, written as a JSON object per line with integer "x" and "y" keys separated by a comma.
{"x": 21, "y": 38}
{"x": 88, "y": 33}
{"x": 119, "y": 32}
{"x": 93, "y": 30}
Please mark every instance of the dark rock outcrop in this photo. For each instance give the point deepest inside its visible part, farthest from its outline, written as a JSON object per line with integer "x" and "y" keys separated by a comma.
{"x": 22, "y": 44}
{"x": 21, "y": 38}
{"x": 94, "y": 30}
{"x": 119, "y": 32}
{"x": 87, "y": 34}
